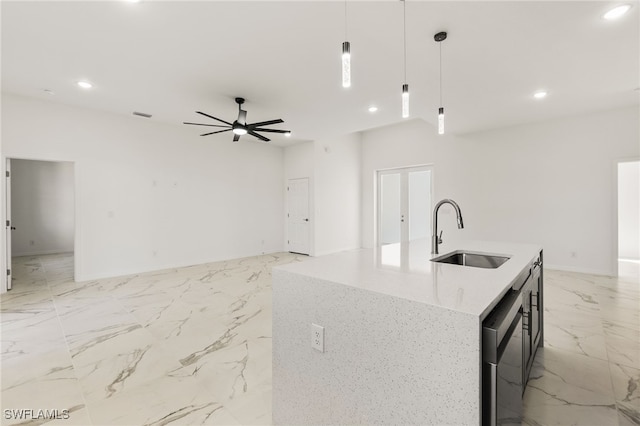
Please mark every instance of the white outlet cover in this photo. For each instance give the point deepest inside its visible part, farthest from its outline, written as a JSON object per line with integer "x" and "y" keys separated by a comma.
{"x": 317, "y": 337}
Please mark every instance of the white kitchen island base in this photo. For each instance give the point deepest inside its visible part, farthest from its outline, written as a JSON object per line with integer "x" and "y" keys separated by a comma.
{"x": 386, "y": 360}
{"x": 401, "y": 339}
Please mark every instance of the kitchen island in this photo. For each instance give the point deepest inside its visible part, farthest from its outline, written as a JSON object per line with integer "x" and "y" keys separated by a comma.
{"x": 402, "y": 334}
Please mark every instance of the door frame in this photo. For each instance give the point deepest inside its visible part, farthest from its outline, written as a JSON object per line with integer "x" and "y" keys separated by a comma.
{"x": 404, "y": 194}
{"x": 614, "y": 208}
{"x": 8, "y": 227}
{"x": 77, "y": 237}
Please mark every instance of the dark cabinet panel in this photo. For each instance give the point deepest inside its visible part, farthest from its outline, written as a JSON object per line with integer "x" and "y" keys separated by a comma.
{"x": 533, "y": 313}
{"x": 536, "y": 305}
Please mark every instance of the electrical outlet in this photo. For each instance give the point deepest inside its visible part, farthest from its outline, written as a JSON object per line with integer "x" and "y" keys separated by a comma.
{"x": 317, "y": 337}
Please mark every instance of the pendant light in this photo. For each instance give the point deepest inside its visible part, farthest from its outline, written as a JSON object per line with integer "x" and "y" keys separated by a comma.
{"x": 405, "y": 86}
{"x": 439, "y": 38}
{"x": 346, "y": 54}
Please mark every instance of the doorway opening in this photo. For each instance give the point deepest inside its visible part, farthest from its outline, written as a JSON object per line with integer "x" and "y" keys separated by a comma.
{"x": 40, "y": 212}
{"x": 404, "y": 204}
{"x": 629, "y": 219}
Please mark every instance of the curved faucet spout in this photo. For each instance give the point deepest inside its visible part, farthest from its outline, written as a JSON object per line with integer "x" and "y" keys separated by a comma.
{"x": 435, "y": 238}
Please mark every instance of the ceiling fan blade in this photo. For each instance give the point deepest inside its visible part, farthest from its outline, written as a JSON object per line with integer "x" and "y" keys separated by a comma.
{"x": 236, "y": 138}
{"x": 211, "y": 116}
{"x": 262, "y": 138}
{"x": 213, "y": 133}
{"x": 270, "y": 130}
{"x": 200, "y": 124}
{"x": 242, "y": 117}
{"x": 266, "y": 123}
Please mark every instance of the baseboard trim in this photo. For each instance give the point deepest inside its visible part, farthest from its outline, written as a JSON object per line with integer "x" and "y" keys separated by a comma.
{"x": 326, "y": 252}
{"x": 41, "y": 253}
{"x": 580, "y": 270}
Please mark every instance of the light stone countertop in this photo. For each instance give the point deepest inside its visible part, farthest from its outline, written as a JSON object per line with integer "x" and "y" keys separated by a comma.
{"x": 406, "y": 271}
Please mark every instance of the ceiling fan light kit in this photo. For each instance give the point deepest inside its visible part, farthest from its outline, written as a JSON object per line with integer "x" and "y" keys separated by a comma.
{"x": 240, "y": 127}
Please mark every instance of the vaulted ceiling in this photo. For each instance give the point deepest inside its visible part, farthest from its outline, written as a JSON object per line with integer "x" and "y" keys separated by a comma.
{"x": 171, "y": 58}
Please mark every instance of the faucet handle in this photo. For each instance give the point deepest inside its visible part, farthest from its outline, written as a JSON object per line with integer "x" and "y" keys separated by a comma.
{"x": 440, "y": 238}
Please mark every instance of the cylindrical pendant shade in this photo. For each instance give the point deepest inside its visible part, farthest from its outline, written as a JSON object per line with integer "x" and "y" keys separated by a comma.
{"x": 346, "y": 64}
{"x": 405, "y": 100}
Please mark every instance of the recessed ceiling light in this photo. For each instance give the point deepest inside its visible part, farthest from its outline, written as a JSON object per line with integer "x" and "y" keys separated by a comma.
{"x": 85, "y": 84}
{"x": 373, "y": 108}
{"x": 540, "y": 94}
{"x": 617, "y": 12}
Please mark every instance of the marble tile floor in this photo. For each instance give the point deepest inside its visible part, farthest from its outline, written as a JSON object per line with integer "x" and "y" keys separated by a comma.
{"x": 193, "y": 346}
{"x": 182, "y": 346}
{"x": 588, "y": 373}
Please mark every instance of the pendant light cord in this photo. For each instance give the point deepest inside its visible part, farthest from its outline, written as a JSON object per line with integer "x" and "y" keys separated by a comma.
{"x": 440, "y": 43}
{"x": 404, "y": 24}
{"x": 345, "y": 20}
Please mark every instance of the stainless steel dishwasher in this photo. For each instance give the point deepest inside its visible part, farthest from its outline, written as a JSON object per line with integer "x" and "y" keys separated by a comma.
{"x": 502, "y": 362}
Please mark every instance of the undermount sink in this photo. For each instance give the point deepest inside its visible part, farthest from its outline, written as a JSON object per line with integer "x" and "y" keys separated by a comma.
{"x": 473, "y": 259}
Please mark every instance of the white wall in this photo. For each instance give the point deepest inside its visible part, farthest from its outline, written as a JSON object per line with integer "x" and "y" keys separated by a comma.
{"x": 150, "y": 195}
{"x": 333, "y": 166}
{"x": 629, "y": 210}
{"x": 42, "y": 207}
{"x": 549, "y": 183}
{"x": 337, "y": 193}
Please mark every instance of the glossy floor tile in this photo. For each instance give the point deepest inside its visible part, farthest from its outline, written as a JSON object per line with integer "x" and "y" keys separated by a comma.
{"x": 588, "y": 372}
{"x": 183, "y": 346}
{"x": 192, "y": 346}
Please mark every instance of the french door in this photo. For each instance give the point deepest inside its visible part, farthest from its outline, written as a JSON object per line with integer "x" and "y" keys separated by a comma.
{"x": 404, "y": 204}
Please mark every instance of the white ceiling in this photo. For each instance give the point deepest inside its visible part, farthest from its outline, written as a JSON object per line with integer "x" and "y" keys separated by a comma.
{"x": 170, "y": 59}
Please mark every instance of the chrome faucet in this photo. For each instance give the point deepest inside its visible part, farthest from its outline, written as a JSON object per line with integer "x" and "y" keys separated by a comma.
{"x": 435, "y": 238}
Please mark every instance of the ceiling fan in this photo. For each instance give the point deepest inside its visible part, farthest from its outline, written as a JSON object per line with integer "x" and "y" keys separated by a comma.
{"x": 240, "y": 126}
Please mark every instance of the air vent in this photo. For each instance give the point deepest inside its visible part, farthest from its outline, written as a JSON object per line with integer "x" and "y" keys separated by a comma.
{"x": 142, "y": 114}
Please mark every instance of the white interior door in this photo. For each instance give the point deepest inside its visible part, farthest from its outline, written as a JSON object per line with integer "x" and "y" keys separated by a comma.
{"x": 298, "y": 240}
{"x": 419, "y": 184}
{"x": 404, "y": 204}
{"x": 9, "y": 226}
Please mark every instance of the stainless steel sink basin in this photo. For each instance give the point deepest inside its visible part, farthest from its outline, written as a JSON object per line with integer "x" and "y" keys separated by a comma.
{"x": 473, "y": 259}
